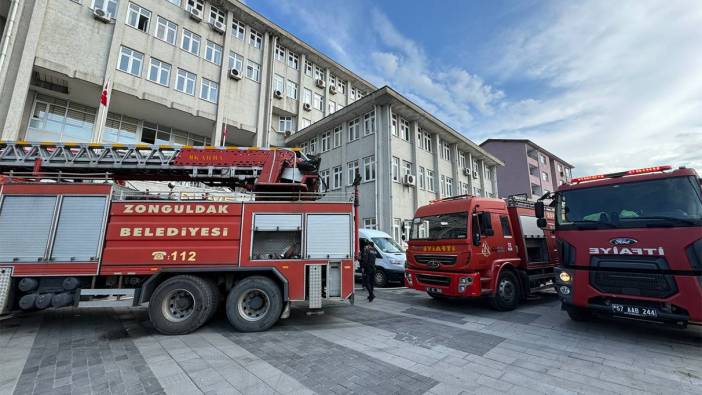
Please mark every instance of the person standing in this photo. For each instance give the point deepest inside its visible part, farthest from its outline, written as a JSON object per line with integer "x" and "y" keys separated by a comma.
{"x": 368, "y": 270}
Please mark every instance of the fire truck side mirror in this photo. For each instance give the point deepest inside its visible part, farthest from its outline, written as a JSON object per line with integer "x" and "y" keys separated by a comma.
{"x": 539, "y": 209}
{"x": 541, "y": 223}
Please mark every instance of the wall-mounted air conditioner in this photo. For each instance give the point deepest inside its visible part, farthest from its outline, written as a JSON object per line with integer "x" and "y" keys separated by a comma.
{"x": 409, "y": 179}
{"x": 194, "y": 13}
{"x": 320, "y": 83}
{"x": 235, "y": 74}
{"x": 101, "y": 15}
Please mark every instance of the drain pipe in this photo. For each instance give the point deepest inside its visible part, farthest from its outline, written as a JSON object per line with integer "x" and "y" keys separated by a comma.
{"x": 8, "y": 28}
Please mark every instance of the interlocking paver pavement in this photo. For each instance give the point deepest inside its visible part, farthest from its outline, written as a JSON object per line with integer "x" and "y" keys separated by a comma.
{"x": 403, "y": 342}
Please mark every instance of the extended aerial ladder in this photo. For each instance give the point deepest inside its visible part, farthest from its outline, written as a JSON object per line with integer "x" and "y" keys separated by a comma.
{"x": 259, "y": 170}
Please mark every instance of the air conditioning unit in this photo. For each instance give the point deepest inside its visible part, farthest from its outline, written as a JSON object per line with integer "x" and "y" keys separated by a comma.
{"x": 307, "y": 107}
{"x": 194, "y": 13}
{"x": 278, "y": 94}
{"x": 218, "y": 27}
{"x": 101, "y": 15}
{"x": 332, "y": 89}
{"x": 409, "y": 179}
{"x": 320, "y": 83}
{"x": 288, "y": 133}
{"x": 475, "y": 174}
{"x": 235, "y": 74}
{"x": 466, "y": 172}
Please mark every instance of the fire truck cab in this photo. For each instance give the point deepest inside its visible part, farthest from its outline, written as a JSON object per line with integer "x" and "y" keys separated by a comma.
{"x": 467, "y": 246}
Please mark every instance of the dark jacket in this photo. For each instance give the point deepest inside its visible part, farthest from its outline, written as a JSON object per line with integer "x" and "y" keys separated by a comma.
{"x": 368, "y": 260}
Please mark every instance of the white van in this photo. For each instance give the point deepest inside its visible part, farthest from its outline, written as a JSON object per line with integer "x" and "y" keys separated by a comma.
{"x": 390, "y": 261}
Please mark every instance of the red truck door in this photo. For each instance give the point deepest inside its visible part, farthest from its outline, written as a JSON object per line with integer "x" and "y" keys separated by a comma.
{"x": 483, "y": 228}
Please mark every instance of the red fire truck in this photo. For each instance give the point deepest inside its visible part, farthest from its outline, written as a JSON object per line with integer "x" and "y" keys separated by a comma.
{"x": 69, "y": 239}
{"x": 631, "y": 245}
{"x": 468, "y": 247}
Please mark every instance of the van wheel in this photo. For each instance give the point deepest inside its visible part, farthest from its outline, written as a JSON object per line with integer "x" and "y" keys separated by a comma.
{"x": 381, "y": 278}
{"x": 506, "y": 295}
{"x": 578, "y": 314}
{"x": 181, "y": 304}
{"x": 254, "y": 304}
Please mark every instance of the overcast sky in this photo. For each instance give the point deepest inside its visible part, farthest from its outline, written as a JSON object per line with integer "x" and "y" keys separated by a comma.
{"x": 605, "y": 85}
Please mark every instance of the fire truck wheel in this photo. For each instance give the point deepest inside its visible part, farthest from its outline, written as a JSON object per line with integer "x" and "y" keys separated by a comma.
{"x": 181, "y": 304}
{"x": 506, "y": 295}
{"x": 254, "y": 304}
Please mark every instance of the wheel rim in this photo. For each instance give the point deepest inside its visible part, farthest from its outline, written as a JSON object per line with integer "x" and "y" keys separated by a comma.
{"x": 379, "y": 278}
{"x": 253, "y": 305}
{"x": 506, "y": 290}
{"x": 178, "y": 305}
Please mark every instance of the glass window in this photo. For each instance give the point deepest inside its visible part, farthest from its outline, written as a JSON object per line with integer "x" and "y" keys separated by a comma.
{"x": 305, "y": 123}
{"x": 209, "y": 90}
{"x": 396, "y": 169}
{"x": 293, "y": 60}
{"x": 292, "y": 90}
{"x": 407, "y": 168}
{"x": 326, "y": 141}
{"x": 185, "y": 82}
{"x": 279, "y": 53}
{"x": 213, "y": 53}
{"x": 285, "y": 124}
{"x": 120, "y": 129}
{"x": 174, "y": 2}
{"x": 318, "y": 73}
{"x": 369, "y": 123}
{"x": 308, "y": 68}
{"x": 196, "y": 4}
{"x": 278, "y": 83}
{"x": 130, "y": 61}
{"x": 59, "y": 120}
{"x": 159, "y": 72}
{"x": 236, "y": 61}
{"x": 393, "y": 125}
{"x": 166, "y": 30}
{"x": 387, "y": 245}
{"x": 336, "y": 177}
{"x": 544, "y": 176}
{"x": 369, "y": 168}
{"x": 217, "y": 16}
{"x": 504, "y": 222}
{"x": 440, "y": 227}
{"x": 369, "y": 223}
{"x": 353, "y": 168}
{"x": 238, "y": 29}
{"x": 430, "y": 180}
{"x": 404, "y": 129}
{"x": 253, "y": 71}
{"x": 190, "y": 42}
{"x": 420, "y": 177}
{"x": 337, "y": 136}
{"x": 318, "y": 102}
{"x": 354, "y": 129}
{"x": 138, "y": 17}
{"x": 255, "y": 39}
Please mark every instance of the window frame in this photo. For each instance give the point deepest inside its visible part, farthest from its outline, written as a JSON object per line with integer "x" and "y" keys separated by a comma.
{"x": 185, "y": 78}
{"x": 166, "y": 30}
{"x": 130, "y": 63}
{"x": 140, "y": 13}
{"x": 194, "y": 39}
{"x": 210, "y": 85}
{"x": 160, "y": 70}
{"x": 211, "y": 50}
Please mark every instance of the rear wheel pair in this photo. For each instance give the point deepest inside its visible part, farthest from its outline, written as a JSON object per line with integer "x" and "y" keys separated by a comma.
{"x": 182, "y": 304}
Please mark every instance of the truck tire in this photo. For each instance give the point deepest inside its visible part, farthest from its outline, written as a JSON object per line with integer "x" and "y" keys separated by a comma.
{"x": 380, "y": 278}
{"x": 506, "y": 295}
{"x": 181, "y": 304}
{"x": 254, "y": 304}
{"x": 578, "y": 314}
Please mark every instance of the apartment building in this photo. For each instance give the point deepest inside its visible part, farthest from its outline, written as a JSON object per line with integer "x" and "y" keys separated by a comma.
{"x": 529, "y": 169}
{"x": 406, "y": 158}
{"x": 188, "y": 72}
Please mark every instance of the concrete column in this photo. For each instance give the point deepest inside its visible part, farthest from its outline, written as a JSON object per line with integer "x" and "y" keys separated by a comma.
{"x": 414, "y": 130}
{"x": 470, "y": 176}
{"x": 455, "y": 170}
{"x": 301, "y": 76}
{"x": 264, "y": 98}
{"x": 348, "y": 93}
{"x": 482, "y": 177}
{"x": 223, "y": 85}
{"x": 494, "y": 181}
{"x": 437, "y": 173}
{"x": 384, "y": 172}
{"x": 110, "y": 70}
{"x": 326, "y": 95}
{"x": 19, "y": 83}
{"x": 9, "y": 38}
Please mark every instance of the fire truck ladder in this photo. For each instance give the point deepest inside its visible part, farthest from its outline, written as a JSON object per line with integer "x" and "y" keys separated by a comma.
{"x": 256, "y": 169}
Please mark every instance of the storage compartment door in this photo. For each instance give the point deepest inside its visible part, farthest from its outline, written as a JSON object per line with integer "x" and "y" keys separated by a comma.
{"x": 328, "y": 236}
{"x": 80, "y": 229}
{"x": 25, "y": 226}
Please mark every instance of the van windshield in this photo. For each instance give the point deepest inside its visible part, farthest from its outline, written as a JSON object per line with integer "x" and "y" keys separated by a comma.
{"x": 387, "y": 245}
{"x": 668, "y": 202}
{"x": 440, "y": 227}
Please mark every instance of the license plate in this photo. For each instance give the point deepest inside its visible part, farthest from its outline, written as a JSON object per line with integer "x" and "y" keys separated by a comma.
{"x": 435, "y": 290}
{"x": 634, "y": 311}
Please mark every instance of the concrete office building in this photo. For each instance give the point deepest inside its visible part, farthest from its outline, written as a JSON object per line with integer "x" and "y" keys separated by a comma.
{"x": 406, "y": 158}
{"x": 173, "y": 72}
{"x": 529, "y": 169}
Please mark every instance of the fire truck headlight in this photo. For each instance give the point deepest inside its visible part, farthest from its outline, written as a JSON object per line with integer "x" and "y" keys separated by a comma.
{"x": 461, "y": 288}
{"x": 565, "y": 277}
{"x": 564, "y": 290}
{"x": 465, "y": 281}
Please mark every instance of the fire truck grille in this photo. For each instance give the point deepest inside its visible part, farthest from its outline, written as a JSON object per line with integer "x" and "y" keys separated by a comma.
{"x": 434, "y": 280}
{"x": 641, "y": 278}
{"x": 440, "y": 259}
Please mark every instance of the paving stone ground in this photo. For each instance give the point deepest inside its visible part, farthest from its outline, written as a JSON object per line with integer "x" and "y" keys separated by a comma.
{"x": 402, "y": 343}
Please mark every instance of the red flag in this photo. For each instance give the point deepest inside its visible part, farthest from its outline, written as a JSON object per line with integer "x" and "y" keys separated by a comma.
{"x": 103, "y": 97}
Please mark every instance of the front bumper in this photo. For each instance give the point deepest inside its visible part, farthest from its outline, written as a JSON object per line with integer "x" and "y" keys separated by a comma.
{"x": 444, "y": 283}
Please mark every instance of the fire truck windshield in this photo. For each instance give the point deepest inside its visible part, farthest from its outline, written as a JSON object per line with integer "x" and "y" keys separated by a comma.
{"x": 668, "y": 202}
{"x": 440, "y": 227}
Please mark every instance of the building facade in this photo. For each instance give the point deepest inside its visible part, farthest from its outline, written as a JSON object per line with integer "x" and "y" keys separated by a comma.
{"x": 188, "y": 72}
{"x": 405, "y": 156}
{"x": 529, "y": 169}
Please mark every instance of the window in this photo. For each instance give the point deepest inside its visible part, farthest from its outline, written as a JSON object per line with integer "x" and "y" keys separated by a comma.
{"x": 353, "y": 93}
{"x": 369, "y": 223}
{"x": 293, "y": 60}
{"x": 462, "y": 160}
{"x": 138, "y": 17}
{"x": 420, "y": 177}
{"x": 396, "y": 169}
{"x": 185, "y": 82}
{"x": 213, "y": 53}
{"x": 404, "y": 129}
{"x": 442, "y": 185}
{"x": 307, "y": 96}
{"x": 279, "y": 53}
{"x": 326, "y": 141}
{"x": 196, "y": 4}
{"x": 308, "y": 68}
{"x": 292, "y": 90}
{"x": 445, "y": 150}
{"x": 354, "y": 129}
{"x": 393, "y": 125}
{"x": 318, "y": 102}
{"x": 407, "y": 168}
{"x": 253, "y": 70}
{"x": 336, "y": 177}
{"x": 236, "y": 61}
{"x": 352, "y": 168}
{"x": 544, "y": 176}
{"x": 238, "y": 29}
{"x": 504, "y": 222}
{"x": 449, "y": 186}
{"x": 305, "y": 123}
{"x": 277, "y": 236}
{"x": 120, "y": 129}
{"x": 313, "y": 145}
{"x": 341, "y": 84}
{"x": 324, "y": 177}
{"x": 369, "y": 168}
{"x": 441, "y": 227}
{"x": 332, "y": 80}
{"x": 278, "y": 83}
{"x": 424, "y": 140}
{"x": 60, "y": 120}
{"x": 542, "y": 159}
{"x": 174, "y": 2}
{"x": 217, "y": 15}
{"x": 166, "y": 30}
{"x": 487, "y": 174}
{"x": 369, "y": 123}
{"x": 430, "y": 180}
{"x": 110, "y": 6}
{"x": 190, "y": 42}
{"x": 337, "y": 136}
{"x": 209, "y": 90}
{"x": 159, "y": 72}
{"x": 285, "y": 124}
{"x": 255, "y": 39}
{"x": 397, "y": 229}
{"x": 318, "y": 73}
{"x": 130, "y": 61}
